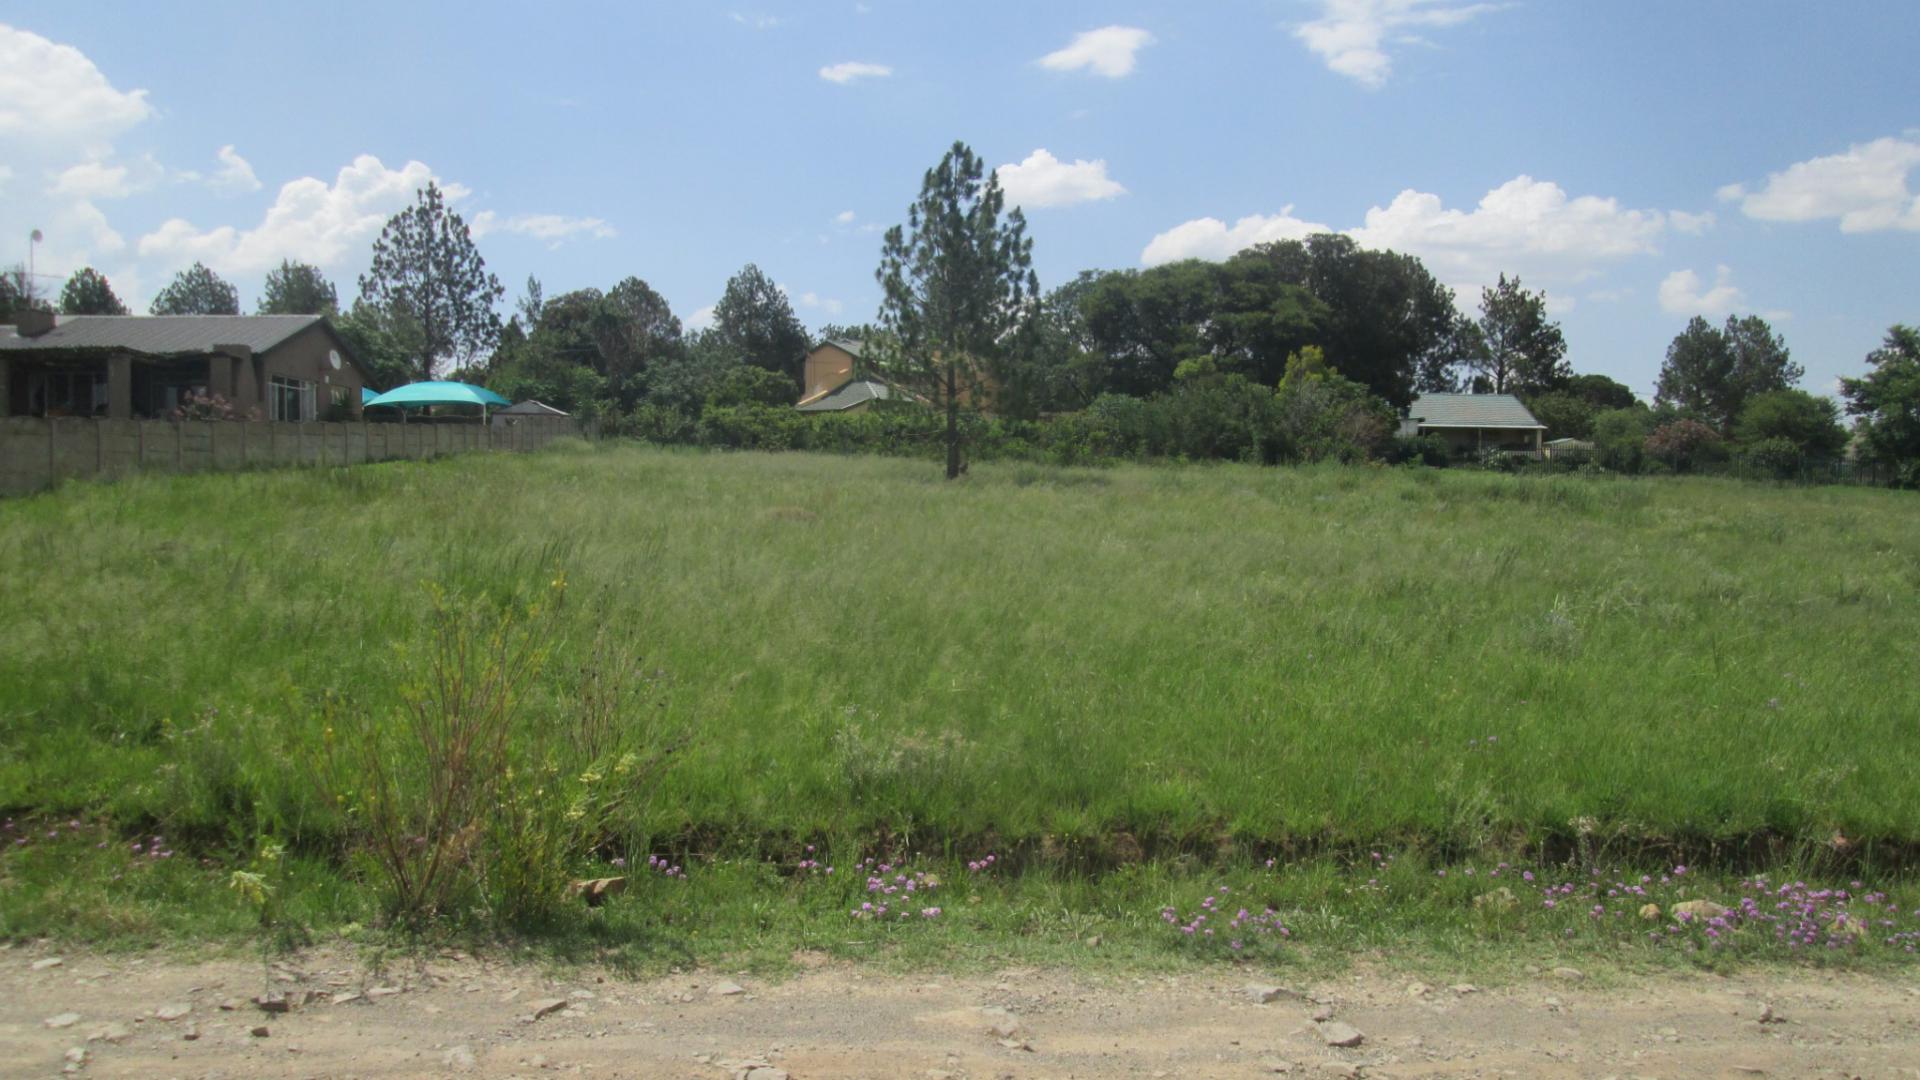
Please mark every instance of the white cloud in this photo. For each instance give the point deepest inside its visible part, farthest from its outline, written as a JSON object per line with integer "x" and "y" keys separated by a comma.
{"x": 700, "y": 319}
{"x": 757, "y": 22}
{"x": 92, "y": 180}
{"x": 854, "y": 69}
{"x": 235, "y": 174}
{"x": 1211, "y": 238}
{"x": 1864, "y": 188}
{"x": 815, "y": 302}
{"x": 1527, "y": 227}
{"x": 550, "y": 227}
{"x": 53, "y": 95}
{"x": 1691, "y": 224}
{"x": 310, "y": 221}
{"x": 1111, "y": 51}
{"x": 1044, "y": 180}
{"x": 844, "y": 217}
{"x": 1351, "y": 35}
{"x": 1523, "y": 226}
{"x": 1683, "y": 293}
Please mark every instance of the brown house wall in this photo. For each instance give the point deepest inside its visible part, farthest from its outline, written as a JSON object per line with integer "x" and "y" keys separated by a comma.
{"x": 304, "y": 357}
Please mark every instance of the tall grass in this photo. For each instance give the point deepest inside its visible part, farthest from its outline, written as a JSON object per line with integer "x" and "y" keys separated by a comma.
{"x": 1114, "y": 663}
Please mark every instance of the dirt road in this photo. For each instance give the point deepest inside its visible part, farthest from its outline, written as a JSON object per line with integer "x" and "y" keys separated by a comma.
{"x": 454, "y": 1015}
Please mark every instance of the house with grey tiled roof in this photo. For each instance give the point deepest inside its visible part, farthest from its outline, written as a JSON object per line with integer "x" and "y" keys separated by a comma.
{"x": 1472, "y": 423}
{"x": 282, "y": 367}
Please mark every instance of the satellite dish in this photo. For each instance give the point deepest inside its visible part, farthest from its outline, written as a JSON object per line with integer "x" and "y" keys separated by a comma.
{"x": 37, "y": 236}
{"x": 333, "y": 357}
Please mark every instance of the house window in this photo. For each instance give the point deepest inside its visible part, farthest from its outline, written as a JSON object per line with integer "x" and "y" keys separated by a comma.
{"x": 290, "y": 399}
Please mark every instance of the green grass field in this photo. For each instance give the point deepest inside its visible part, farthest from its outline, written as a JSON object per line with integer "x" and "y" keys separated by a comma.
{"x": 1083, "y": 670}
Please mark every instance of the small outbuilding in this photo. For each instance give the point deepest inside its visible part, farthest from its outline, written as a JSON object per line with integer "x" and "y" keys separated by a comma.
{"x": 513, "y": 414}
{"x": 1568, "y": 448}
{"x": 1472, "y": 423}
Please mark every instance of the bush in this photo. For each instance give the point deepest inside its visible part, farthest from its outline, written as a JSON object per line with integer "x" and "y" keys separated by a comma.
{"x": 1682, "y": 444}
{"x": 1778, "y": 457}
{"x": 1418, "y": 450}
{"x": 464, "y": 793}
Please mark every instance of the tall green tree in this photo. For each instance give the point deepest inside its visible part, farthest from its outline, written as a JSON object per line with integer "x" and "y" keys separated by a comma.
{"x": 295, "y": 288}
{"x": 87, "y": 293}
{"x": 634, "y": 329}
{"x": 957, "y": 283}
{"x": 1389, "y": 324}
{"x": 1712, "y": 372}
{"x": 1520, "y": 350}
{"x": 197, "y": 291}
{"x": 427, "y": 271}
{"x": 1887, "y": 401}
{"x": 755, "y": 320}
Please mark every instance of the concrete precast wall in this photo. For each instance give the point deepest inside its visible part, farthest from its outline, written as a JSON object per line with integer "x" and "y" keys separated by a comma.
{"x": 36, "y": 453}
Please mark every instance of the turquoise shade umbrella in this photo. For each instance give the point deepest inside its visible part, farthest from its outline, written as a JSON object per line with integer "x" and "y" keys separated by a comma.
{"x": 440, "y": 393}
{"x": 367, "y": 394}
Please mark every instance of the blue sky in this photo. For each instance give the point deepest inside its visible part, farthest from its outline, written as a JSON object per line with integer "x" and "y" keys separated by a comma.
{"x": 1643, "y": 162}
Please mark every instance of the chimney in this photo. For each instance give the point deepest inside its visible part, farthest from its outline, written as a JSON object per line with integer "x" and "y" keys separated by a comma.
{"x": 32, "y": 322}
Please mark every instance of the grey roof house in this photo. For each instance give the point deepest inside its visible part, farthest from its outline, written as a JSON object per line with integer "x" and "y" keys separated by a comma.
{"x": 1474, "y": 422}
{"x": 284, "y": 367}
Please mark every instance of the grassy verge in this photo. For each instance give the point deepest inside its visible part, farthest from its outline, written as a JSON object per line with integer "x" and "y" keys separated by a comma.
{"x": 1134, "y": 685}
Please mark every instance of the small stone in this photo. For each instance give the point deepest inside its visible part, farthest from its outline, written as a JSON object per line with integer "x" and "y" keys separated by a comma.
{"x": 275, "y": 1002}
{"x": 230, "y": 1005}
{"x": 547, "y": 1006}
{"x": 1017, "y": 1044}
{"x": 726, "y": 989}
{"x": 76, "y": 1055}
{"x": 1338, "y": 1034}
{"x": 1552, "y": 1003}
{"x": 1340, "y": 1070}
{"x": 1323, "y": 1014}
{"x": 1569, "y": 974}
{"x": 171, "y": 1013}
{"x": 190, "y": 1032}
{"x": 348, "y": 998}
{"x": 63, "y": 1020}
{"x": 382, "y": 991}
{"x": 1276, "y": 1065}
{"x": 259, "y": 1031}
{"x": 1650, "y": 912}
{"x": 1263, "y": 995}
{"x": 1418, "y": 989}
{"x": 49, "y": 962}
{"x": 1698, "y": 909}
{"x": 460, "y": 1058}
{"x": 1464, "y": 989}
{"x": 109, "y": 1033}
{"x": 765, "y": 1072}
{"x": 1094, "y": 941}
{"x": 1750, "y": 1070}
{"x": 1767, "y": 1015}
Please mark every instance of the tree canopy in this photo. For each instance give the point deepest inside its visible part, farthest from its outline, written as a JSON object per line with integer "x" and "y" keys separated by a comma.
{"x": 755, "y": 320}
{"x": 958, "y": 283}
{"x": 427, "y": 271}
{"x": 295, "y": 288}
{"x": 1711, "y": 372}
{"x": 1887, "y": 401}
{"x": 197, "y": 291}
{"x": 87, "y": 293}
{"x": 1517, "y": 349}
